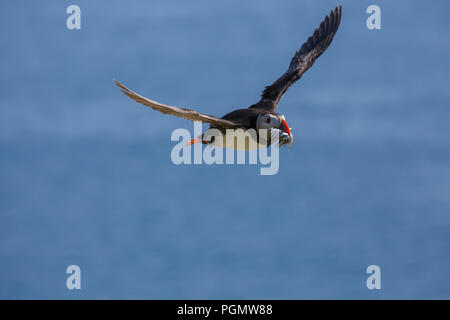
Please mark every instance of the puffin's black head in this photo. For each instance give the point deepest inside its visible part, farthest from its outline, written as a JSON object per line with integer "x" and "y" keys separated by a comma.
{"x": 272, "y": 121}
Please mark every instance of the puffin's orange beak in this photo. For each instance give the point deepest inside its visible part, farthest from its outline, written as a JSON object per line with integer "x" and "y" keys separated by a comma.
{"x": 285, "y": 127}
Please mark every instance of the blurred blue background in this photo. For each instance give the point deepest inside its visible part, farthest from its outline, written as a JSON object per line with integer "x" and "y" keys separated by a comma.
{"x": 86, "y": 176}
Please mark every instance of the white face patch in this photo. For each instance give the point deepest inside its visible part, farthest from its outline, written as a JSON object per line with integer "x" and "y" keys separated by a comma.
{"x": 267, "y": 121}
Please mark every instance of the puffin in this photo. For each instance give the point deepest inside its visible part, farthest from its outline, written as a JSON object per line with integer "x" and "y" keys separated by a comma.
{"x": 263, "y": 114}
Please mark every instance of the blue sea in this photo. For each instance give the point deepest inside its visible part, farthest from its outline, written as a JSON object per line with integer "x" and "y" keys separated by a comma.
{"x": 86, "y": 176}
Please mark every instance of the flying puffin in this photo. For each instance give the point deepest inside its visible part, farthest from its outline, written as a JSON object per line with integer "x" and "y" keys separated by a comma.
{"x": 261, "y": 115}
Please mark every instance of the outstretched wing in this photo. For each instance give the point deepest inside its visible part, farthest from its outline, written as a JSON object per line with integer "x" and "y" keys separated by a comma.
{"x": 178, "y": 112}
{"x": 302, "y": 60}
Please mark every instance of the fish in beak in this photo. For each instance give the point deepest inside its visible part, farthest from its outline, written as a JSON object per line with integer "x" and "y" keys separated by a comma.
{"x": 285, "y": 134}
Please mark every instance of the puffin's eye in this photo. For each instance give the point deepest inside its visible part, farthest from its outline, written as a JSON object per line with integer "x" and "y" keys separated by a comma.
{"x": 268, "y": 120}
